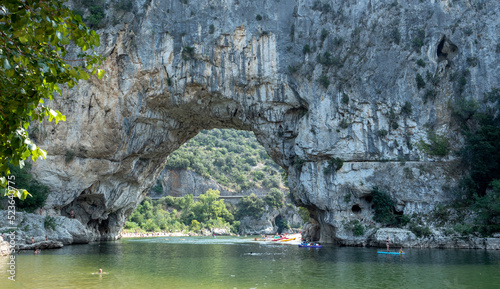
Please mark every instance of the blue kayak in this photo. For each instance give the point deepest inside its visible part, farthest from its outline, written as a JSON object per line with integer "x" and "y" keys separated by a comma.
{"x": 309, "y": 246}
{"x": 390, "y": 253}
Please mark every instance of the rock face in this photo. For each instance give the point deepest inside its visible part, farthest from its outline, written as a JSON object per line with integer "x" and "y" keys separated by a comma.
{"x": 33, "y": 230}
{"x": 178, "y": 183}
{"x": 314, "y": 80}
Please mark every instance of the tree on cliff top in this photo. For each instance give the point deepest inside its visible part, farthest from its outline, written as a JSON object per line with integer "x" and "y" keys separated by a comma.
{"x": 34, "y": 38}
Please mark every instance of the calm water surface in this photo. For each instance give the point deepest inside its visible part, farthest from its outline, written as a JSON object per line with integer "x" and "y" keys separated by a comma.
{"x": 203, "y": 262}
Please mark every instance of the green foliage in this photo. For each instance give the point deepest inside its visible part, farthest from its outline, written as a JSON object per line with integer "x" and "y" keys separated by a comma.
{"x": 481, "y": 152}
{"x": 328, "y": 60}
{"x": 131, "y": 225}
{"x": 344, "y": 123}
{"x": 393, "y": 119}
{"x": 421, "y": 62}
{"x": 304, "y": 214}
{"x": 382, "y": 133}
{"x": 324, "y": 34}
{"x": 407, "y": 108}
{"x": 418, "y": 41}
{"x": 232, "y": 158}
{"x": 318, "y": 6}
{"x": 334, "y": 164}
{"x": 347, "y": 197}
{"x": 298, "y": 163}
{"x": 430, "y": 94}
{"x": 49, "y": 222}
{"x": 184, "y": 213}
{"x": 439, "y": 145}
{"x": 306, "y": 49}
{"x": 282, "y": 224}
{"x": 432, "y": 79}
{"x": 34, "y": 38}
{"x": 481, "y": 156}
{"x": 195, "y": 226}
{"x": 463, "y": 229}
{"x": 395, "y": 36}
{"x": 323, "y": 80}
{"x": 356, "y": 227}
{"x": 337, "y": 41}
{"x": 472, "y": 61}
{"x": 275, "y": 198}
{"x": 420, "y": 231}
{"x": 250, "y": 206}
{"x": 69, "y": 156}
{"x": 235, "y": 227}
{"x": 345, "y": 99}
{"x": 293, "y": 68}
{"x": 25, "y": 181}
{"x": 383, "y": 207}
{"x": 126, "y": 6}
{"x": 258, "y": 17}
{"x": 187, "y": 53}
{"x": 96, "y": 10}
{"x": 420, "y": 81}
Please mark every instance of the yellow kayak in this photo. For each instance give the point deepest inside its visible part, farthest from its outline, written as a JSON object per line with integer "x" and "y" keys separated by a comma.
{"x": 286, "y": 240}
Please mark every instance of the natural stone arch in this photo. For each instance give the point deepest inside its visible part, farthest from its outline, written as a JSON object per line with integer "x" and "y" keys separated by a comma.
{"x": 254, "y": 75}
{"x": 162, "y": 111}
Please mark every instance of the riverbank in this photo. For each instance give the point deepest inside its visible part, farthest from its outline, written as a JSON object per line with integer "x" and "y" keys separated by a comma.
{"x": 293, "y": 239}
{"x": 4, "y": 247}
{"x": 153, "y": 234}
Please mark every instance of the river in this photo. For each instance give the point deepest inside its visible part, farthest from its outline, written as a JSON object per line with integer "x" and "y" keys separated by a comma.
{"x": 227, "y": 262}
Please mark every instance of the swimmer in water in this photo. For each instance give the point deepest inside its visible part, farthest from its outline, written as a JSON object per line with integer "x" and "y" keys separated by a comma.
{"x": 100, "y": 272}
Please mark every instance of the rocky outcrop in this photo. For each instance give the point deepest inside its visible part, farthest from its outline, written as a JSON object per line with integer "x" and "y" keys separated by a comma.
{"x": 314, "y": 80}
{"x": 42, "y": 245}
{"x": 406, "y": 239}
{"x": 5, "y": 248}
{"x": 33, "y": 230}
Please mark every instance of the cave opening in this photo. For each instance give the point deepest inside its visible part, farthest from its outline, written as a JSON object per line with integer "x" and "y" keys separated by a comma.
{"x": 446, "y": 50}
{"x": 356, "y": 209}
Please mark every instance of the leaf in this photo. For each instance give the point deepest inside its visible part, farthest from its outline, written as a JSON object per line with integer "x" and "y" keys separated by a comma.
{"x": 24, "y": 194}
{"x": 100, "y": 73}
{"x": 32, "y": 146}
{"x": 6, "y": 64}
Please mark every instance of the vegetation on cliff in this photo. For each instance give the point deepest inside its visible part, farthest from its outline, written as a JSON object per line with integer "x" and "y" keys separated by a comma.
{"x": 24, "y": 181}
{"x": 477, "y": 209}
{"x": 232, "y": 158}
{"x": 481, "y": 155}
{"x": 34, "y": 39}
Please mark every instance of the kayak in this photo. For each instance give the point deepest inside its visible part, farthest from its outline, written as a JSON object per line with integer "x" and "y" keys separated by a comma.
{"x": 279, "y": 239}
{"x": 390, "y": 253}
{"x": 286, "y": 240}
{"x": 309, "y": 246}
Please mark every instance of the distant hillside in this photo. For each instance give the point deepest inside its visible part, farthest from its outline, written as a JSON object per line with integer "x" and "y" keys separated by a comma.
{"x": 230, "y": 157}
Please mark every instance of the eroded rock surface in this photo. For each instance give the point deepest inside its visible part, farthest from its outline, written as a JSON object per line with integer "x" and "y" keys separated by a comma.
{"x": 314, "y": 80}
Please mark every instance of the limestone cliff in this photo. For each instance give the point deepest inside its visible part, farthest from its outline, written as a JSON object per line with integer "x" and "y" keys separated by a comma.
{"x": 363, "y": 81}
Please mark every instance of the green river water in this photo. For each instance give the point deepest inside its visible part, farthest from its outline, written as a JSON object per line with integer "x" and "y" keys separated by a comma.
{"x": 225, "y": 262}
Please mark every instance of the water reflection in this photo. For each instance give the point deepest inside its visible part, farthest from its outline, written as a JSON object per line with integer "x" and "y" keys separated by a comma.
{"x": 227, "y": 263}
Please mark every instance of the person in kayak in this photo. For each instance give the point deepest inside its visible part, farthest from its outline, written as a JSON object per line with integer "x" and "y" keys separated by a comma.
{"x": 401, "y": 251}
{"x": 387, "y": 243}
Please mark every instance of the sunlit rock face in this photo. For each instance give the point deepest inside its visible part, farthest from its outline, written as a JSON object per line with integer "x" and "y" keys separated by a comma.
{"x": 314, "y": 80}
